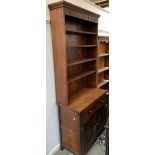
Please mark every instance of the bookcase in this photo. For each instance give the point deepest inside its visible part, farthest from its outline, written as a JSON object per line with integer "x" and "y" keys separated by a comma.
{"x": 81, "y": 105}
{"x": 103, "y": 63}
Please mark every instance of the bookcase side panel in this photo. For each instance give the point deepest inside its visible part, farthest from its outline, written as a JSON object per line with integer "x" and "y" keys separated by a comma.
{"x": 59, "y": 54}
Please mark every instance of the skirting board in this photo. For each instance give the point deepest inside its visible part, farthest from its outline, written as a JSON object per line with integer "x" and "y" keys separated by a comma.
{"x": 53, "y": 151}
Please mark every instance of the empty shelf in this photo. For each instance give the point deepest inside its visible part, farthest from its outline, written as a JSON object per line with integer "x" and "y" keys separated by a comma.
{"x": 81, "y": 46}
{"x": 104, "y": 54}
{"x": 80, "y": 32}
{"x": 80, "y": 61}
{"x": 71, "y": 79}
{"x": 103, "y": 69}
{"x": 83, "y": 98}
{"x": 102, "y": 83}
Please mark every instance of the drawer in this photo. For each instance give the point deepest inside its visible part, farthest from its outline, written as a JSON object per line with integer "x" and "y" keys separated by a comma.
{"x": 92, "y": 109}
{"x": 70, "y": 119}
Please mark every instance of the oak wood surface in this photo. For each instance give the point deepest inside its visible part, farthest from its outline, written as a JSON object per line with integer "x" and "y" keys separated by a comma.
{"x": 59, "y": 53}
{"x": 82, "y": 109}
{"x": 103, "y": 63}
{"x": 84, "y": 98}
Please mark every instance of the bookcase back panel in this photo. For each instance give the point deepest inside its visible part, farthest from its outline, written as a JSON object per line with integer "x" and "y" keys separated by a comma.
{"x": 101, "y": 77}
{"x": 90, "y": 81}
{"x": 85, "y": 82}
{"x": 107, "y": 61}
{"x": 76, "y": 24}
{"x": 101, "y": 62}
{"x": 80, "y": 39}
{"x": 108, "y": 47}
{"x": 76, "y": 85}
{"x": 81, "y": 68}
{"x": 106, "y": 75}
{"x": 103, "y": 47}
{"x": 106, "y": 86}
{"x": 80, "y": 53}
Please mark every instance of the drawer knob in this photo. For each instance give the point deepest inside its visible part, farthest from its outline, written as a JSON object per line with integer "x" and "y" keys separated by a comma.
{"x": 90, "y": 111}
{"x": 74, "y": 118}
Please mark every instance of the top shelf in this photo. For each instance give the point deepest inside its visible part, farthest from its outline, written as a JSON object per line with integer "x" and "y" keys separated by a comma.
{"x": 81, "y": 32}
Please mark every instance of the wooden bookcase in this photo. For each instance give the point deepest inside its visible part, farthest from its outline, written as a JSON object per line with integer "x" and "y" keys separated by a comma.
{"x": 82, "y": 106}
{"x": 103, "y": 63}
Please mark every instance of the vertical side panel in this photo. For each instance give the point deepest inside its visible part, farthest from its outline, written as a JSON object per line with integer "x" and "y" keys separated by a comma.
{"x": 59, "y": 54}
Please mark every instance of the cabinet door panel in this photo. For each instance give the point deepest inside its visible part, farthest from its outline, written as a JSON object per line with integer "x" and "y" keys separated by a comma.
{"x": 93, "y": 128}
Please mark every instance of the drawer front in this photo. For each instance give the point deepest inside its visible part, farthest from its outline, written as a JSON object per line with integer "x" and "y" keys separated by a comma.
{"x": 92, "y": 109}
{"x": 70, "y": 120}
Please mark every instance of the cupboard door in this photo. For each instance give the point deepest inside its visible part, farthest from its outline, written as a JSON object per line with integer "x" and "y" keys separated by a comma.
{"x": 92, "y": 129}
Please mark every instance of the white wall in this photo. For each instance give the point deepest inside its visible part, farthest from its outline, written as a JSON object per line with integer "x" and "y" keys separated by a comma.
{"x": 52, "y": 129}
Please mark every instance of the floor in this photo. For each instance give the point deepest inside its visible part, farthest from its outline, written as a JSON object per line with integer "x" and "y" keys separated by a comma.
{"x": 97, "y": 149}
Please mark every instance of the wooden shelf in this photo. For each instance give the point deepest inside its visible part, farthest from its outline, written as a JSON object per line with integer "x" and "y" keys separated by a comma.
{"x": 104, "y": 54}
{"x": 80, "y": 32}
{"x": 102, "y": 83}
{"x": 103, "y": 69}
{"x": 81, "y": 46}
{"x": 76, "y": 62}
{"x": 80, "y": 76}
{"x": 82, "y": 98}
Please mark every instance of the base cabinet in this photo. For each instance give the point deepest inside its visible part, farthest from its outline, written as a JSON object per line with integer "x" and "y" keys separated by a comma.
{"x": 80, "y": 130}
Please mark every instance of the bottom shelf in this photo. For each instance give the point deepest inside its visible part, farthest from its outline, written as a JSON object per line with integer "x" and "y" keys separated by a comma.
{"x": 84, "y": 97}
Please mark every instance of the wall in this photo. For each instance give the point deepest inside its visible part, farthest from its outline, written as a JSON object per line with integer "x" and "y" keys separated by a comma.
{"x": 52, "y": 129}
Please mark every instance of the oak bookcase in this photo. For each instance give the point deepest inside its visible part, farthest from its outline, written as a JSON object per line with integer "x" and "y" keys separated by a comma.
{"x": 103, "y": 63}
{"x": 82, "y": 106}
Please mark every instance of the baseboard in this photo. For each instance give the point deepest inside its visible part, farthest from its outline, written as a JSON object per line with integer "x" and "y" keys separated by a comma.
{"x": 53, "y": 151}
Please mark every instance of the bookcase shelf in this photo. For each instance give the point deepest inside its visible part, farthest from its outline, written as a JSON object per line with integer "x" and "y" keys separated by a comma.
{"x": 80, "y": 46}
{"x": 76, "y": 77}
{"x": 103, "y": 69}
{"x": 82, "y": 98}
{"x": 103, "y": 54}
{"x": 80, "y": 32}
{"x": 80, "y": 61}
{"x": 103, "y": 82}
